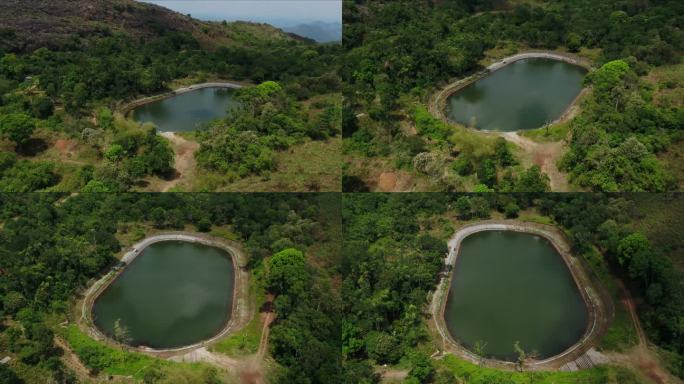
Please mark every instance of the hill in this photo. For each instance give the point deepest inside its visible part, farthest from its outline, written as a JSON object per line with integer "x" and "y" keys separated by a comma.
{"x": 319, "y": 31}
{"x": 26, "y": 25}
{"x": 67, "y": 67}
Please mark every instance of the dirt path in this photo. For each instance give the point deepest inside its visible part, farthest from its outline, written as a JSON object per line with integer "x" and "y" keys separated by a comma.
{"x": 185, "y": 162}
{"x": 71, "y": 360}
{"x": 268, "y": 318}
{"x": 546, "y": 156}
{"x": 641, "y": 356}
{"x": 392, "y": 375}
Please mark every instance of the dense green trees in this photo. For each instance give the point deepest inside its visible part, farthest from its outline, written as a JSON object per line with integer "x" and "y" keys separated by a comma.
{"x": 617, "y": 136}
{"x": 389, "y": 267}
{"x": 392, "y": 262}
{"x": 52, "y": 244}
{"x": 68, "y": 90}
{"x": 417, "y": 46}
{"x": 268, "y": 120}
{"x": 17, "y": 127}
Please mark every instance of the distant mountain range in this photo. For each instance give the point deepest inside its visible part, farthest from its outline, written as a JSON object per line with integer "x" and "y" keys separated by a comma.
{"x": 320, "y": 31}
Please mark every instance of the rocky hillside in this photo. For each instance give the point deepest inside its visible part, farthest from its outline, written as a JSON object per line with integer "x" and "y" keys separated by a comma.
{"x": 26, "y": 25}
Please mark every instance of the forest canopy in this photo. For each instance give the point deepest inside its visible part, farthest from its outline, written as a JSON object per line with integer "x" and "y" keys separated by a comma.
{"x": 399, "y": 53}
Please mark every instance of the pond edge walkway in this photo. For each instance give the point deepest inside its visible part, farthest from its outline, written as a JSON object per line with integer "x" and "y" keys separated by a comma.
{"x": 597, "y": 300}
{"x": 241, "y": 312}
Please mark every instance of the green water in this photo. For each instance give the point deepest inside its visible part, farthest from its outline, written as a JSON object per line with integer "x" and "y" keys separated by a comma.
{"x": 188, "y": 110}
{"x": 509, "y": 286}
{"x": 526, "y": 94}
{"x": 173, "y": 294}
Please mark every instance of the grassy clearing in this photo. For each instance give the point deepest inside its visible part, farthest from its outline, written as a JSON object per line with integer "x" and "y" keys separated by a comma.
{"x": 673, "y": 160}
{"x": 311, "y": 166}
{"x": 113, "y": 361}
{"x": 327, "y": 254}
{"x": 668, "y": 84}
{"x": 621, "y": 334}
{"x": 658, "y": 218}
{"x": 549, "y": 134}
{"x": 535, "y": 218}
{"x": 476, "y": 375}
{"x": 109, "y": 360}
{"x": 246, "y": 341}
{"x": 225, "y": 233}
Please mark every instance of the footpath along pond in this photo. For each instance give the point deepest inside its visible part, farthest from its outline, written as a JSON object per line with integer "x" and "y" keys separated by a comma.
{"x": 510, "y": 287}
{"x": 525, "y": 94}
{"x": 173, "y": 294}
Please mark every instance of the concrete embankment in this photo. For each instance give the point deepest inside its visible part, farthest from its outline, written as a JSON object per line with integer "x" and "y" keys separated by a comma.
{"x": 597, "y": 301}
{"x": 241, "y": 312}
{"x": 439, "y": 101}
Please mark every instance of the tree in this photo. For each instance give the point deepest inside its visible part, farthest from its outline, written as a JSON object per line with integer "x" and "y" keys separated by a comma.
{"x": 287, "y": 273}
{"x": 630, "y": 246}
{"x": 13, "y": 302}
{"x": 121, "y": 333}
{"x": 487, "y": 173}
{"x": 480, "y": 207}
{"x": 105, "y": 118}
{"x": 115, "y": 153}
{"x": 463, "y": 166}
{"x": 502, "y": 153}
{"x": 511, "y": 210}
{"x": 533, "y": 180}
{"x": 573, "y": 42}
{"x": 479, "y": 349}
{"x": 422, "y": 370}
{"x": 158, "y": 216}
{"x": 17, "y": 127}
{"x": 204, "y": 225}
{"x": 43, "y": 107}
{"x": 463, "y": 207}
{"x": 96, "y": 186}
{"x": 522, "y": 356}
{"x": 8, "y": 376}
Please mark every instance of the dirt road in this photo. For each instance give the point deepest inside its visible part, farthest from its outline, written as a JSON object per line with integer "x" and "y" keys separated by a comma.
{"x": 642, "y": 356}
{"x": 544, "y": 155}
{"x": 71, "y": 360}
{"x": 185, "y": 162}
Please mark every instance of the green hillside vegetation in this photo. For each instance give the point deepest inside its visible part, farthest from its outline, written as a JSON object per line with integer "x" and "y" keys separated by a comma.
{"x": 399, "y": 53}
{"x": 53, "y": 245}
{"x": 62, "y": 83}
{"x": 394, "y": 249}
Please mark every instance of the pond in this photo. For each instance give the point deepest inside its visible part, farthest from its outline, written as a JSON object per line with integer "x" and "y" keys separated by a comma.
{"x": 186, "y": 111}
{"x": 526, "y": 94}
{"x": 173, "y": 294}
{"x": 510, "y": 287}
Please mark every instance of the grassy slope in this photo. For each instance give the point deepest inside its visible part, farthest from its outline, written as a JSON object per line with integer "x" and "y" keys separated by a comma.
{"x": 597, "y": 375}
{"x": 39, "y": 23}
{"x": 246, "y": 341}
{"x": 662, "y": 221}
{"x": 620, "y": 336}
{"x": 668, "y": 90}
{"x": 311, "y": 166}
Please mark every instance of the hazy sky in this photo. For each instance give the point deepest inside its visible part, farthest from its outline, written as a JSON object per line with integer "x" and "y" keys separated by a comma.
{"x": 265, "y": 11}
